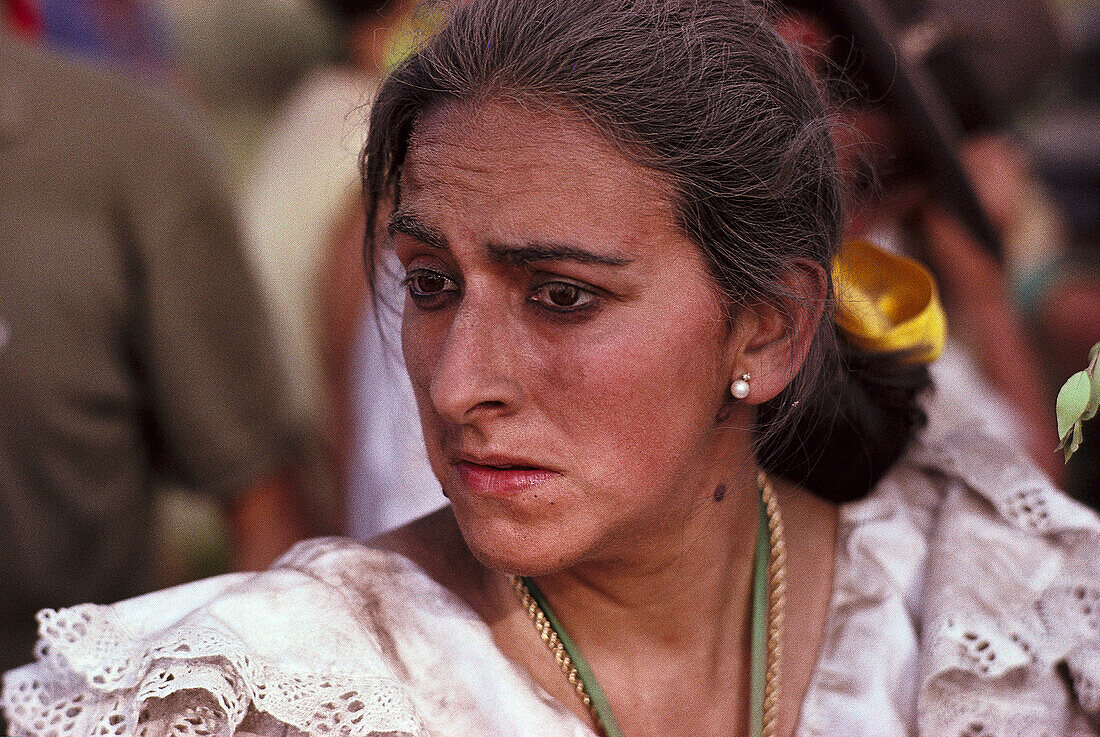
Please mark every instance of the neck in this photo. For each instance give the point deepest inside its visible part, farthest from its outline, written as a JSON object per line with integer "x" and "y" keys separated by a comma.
{"x": 683, "y": 594}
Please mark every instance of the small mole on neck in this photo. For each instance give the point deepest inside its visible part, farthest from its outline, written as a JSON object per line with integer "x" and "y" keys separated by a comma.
{"x": 720, "y": 493}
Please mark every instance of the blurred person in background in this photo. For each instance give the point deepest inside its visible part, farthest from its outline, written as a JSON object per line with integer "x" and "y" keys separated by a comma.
{"x": 301, "y": 182}
{"x": 303, "y": 212}
{"x": 237, "y": 58}
{"x": 133, "y": 345}
{"x": 124, "y": 34}
{"x": 241, "y": 59}
{"x": 936, "y": 172}
{"x": 1060, "y": 296}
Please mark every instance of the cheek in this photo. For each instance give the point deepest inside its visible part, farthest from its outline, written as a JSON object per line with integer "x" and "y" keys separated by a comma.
{"x": 641, "y": 397}
{"x": 421, "y": 338}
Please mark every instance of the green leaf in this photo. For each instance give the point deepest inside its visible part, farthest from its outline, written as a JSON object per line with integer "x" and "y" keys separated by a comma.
{"x": 1073, "y": 400}
{"x": 1072, "y": 441}
{"x": 1064, "y": 447}
{"x": 1094, "y": 377}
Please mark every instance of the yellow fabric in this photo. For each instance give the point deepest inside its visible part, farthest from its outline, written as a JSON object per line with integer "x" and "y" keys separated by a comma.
{"x": 887, "y": 303}
{"x": 414, "y": 30}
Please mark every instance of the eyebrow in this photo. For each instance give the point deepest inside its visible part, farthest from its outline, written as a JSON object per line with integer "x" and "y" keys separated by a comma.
{"x": 408, "y": 223}
{"x": 534, "y": 252}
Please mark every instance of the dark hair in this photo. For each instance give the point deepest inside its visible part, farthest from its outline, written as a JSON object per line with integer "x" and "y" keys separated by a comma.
{"x": 707, "y": 95}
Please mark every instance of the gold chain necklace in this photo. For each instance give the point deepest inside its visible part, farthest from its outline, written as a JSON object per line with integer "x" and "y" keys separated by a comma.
{"x": 777, "y": 589}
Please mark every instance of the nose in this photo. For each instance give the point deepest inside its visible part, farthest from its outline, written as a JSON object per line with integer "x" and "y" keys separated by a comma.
{"x": 475, "y": 374}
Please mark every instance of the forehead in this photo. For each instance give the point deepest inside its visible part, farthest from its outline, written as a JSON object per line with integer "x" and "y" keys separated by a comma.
{"x": 543, "y": 163}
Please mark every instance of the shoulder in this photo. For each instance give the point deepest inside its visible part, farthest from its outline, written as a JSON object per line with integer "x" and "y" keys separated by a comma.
{"x": 336, "y": 638}
{"x": 999, "y": 573}
{"x": 295, "y": 642}
{"x": 435, "y": 544}
{"x": 976, "y": 582}
{"x": 136, "y": 144}
{"x": 63, "y": 94}
{"x": 1011, "y": 591}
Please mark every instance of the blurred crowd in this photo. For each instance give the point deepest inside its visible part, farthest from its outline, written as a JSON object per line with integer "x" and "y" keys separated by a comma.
{"x": 194, "y": 372}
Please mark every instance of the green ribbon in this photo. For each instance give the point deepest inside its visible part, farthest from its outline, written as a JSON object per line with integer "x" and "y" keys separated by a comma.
{"x": 599, "y": 701}
{"x": 759, "y": 668}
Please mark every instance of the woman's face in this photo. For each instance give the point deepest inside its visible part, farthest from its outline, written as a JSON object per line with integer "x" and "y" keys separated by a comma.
{"x": 567, "y": 346}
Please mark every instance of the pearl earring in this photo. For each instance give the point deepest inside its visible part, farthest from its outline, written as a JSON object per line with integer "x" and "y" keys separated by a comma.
{"x": 740, "y": 387}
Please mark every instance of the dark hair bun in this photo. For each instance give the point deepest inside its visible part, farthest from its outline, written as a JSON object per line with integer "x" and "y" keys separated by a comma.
{"x": 861, "y": 416}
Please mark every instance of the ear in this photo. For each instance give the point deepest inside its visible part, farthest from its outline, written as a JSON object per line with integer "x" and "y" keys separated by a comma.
{"x": 771, "y": 339}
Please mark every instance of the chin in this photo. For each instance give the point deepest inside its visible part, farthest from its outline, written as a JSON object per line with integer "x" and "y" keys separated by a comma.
{"x": 523, "y": 548}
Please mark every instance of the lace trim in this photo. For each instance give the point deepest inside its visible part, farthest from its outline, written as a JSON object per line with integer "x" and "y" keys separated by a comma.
{"x": 1073, "y": 611}
{"x": 1001, "y": 676}
{"x": 92, "y": 678}
{"x": 1018, "y": 490}
{"x": 977, "y": 648}
{"x": 959, "y": 714}
{"x": 1002, "y": 679}
{"x": 986, "y": 680}
{"x": 1083, "y": 665}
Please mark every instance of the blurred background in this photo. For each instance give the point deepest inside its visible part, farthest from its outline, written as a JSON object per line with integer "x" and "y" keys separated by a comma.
{"x": 275, "y": 94}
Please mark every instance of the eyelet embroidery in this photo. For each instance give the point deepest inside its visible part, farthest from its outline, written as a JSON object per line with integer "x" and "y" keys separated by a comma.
{"x": 92, "y": 679}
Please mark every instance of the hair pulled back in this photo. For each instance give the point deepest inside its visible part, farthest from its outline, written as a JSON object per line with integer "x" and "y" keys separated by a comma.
{"x": 706, "y": 94}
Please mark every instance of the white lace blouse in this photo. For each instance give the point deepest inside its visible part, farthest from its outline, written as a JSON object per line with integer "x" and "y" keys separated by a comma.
{"x": 966, "y": 603}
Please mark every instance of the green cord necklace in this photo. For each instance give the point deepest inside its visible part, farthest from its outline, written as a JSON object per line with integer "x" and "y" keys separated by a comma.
{"x": 768, "y": 590}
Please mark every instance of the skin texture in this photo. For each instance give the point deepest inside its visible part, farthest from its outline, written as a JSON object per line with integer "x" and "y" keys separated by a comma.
{"x": 604, "y": 383}
{"x": 498, "y": 372}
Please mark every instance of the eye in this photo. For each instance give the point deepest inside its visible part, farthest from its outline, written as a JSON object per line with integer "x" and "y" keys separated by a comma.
{"x": 562, "y": 296}
{"x": 425, "y": 285}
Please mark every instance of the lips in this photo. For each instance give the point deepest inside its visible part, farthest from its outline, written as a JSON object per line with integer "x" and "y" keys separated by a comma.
{"x": 500, "y": 477}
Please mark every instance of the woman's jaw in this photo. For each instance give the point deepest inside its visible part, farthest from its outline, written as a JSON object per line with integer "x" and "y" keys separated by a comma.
{"x": 539, "y": 514}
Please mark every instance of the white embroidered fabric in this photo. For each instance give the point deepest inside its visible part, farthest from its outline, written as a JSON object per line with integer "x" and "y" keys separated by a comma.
{"x": 966, "y": 603}
{"x": 96, "y": 675}
{"x": 1005, "y": 610}
{"x": 337, "y": 639}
